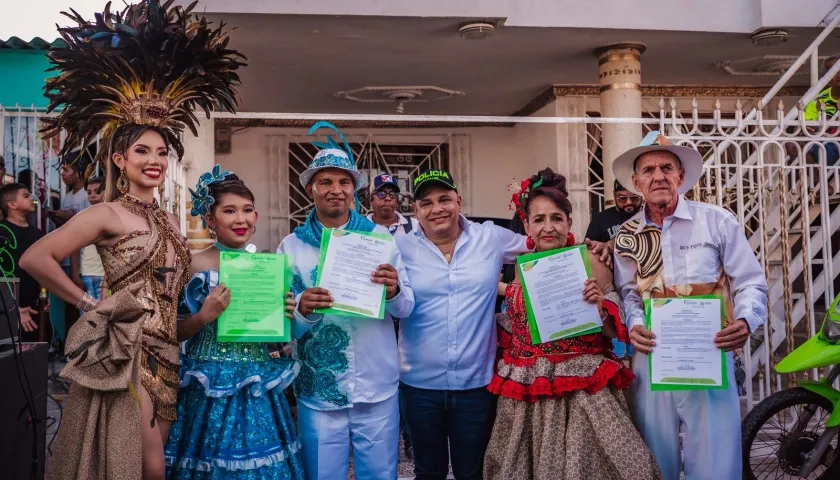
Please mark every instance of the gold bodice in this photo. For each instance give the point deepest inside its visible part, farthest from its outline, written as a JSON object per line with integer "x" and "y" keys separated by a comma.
{"x": 140, "y": 258}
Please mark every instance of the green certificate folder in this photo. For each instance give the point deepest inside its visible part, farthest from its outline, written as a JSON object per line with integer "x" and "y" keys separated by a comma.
{"x": 348, "y": 258}
{"x": 552, "y": 284}
{"x": 685, "y": 356}
{"x": 258, "y": 283}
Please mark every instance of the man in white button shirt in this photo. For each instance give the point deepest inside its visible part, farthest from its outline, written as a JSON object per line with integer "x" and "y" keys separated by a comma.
{"x": 448, "y": 343}
{"x": 676, "y": 248}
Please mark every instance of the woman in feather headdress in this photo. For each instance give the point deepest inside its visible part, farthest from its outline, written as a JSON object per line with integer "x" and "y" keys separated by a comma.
{"x": 134, "y": 78}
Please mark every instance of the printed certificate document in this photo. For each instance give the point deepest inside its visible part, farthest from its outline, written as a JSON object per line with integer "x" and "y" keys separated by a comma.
{"x": 347, "y": 260}
{"x": 258, "y": 283}
{"x": 552, "y": 283}
{"x": 685, "y": 356}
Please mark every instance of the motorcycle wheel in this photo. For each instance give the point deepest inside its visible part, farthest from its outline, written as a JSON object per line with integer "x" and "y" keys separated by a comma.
{"x": 764, "y": 430}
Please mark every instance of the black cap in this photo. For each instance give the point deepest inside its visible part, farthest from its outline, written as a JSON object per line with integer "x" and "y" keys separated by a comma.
{"x": 618, "y": 186}
{"x": 434, "y": 175}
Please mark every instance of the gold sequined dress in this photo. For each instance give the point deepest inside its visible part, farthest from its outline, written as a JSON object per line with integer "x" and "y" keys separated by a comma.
{"x": 116, "y": 349}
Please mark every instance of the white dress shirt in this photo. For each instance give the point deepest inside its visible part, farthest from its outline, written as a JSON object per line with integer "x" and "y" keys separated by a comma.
{"x": 355, "y": 362}
{"x": 449, "y": 340}
{"x": 398, "y": 228}
{"x": 698, "y": 242}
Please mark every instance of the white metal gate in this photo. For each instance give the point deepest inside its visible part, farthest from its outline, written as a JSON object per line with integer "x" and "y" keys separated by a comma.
{"x": 24, "y": 149}
{"x": 29, "y": 158}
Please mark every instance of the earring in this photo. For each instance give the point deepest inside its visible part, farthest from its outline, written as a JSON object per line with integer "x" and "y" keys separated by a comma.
{"x": 570, "y": 240}
{"x": 529, "y": 243}
{"x": 122, "y": 183}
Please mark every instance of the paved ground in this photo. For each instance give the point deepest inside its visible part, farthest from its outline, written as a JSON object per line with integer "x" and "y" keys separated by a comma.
{"x": 405, "y": 470}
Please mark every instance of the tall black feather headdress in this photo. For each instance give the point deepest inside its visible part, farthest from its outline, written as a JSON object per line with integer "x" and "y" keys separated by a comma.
{"x": 152, "y": 64}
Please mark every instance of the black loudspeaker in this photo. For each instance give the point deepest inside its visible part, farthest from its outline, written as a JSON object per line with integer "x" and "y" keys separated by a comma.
{"x": 16, "y": 435}
{"x": 8, "y": 291}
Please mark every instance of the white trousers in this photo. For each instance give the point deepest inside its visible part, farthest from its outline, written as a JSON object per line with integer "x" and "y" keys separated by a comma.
{"x": 373, "y": 429}
{"x": 712, "y": 420}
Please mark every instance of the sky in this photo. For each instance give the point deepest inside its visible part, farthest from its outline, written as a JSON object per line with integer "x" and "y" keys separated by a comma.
{"x": 37, "y": 18}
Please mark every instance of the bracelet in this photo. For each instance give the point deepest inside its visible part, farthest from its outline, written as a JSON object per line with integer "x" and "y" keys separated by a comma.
{"x": 86, "y": 303}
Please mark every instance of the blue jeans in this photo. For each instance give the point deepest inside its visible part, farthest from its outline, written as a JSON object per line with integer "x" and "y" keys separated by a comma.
{"x": 403, "y": 424}
{"x": 441, "y": 422}
{"x": 93, "y": 286}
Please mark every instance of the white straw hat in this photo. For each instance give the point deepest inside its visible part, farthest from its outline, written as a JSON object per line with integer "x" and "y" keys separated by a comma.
{"x": 690, "y": 160}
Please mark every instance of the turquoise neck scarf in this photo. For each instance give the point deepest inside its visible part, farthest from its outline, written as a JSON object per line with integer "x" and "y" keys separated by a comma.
{"x": 310, "y": 232}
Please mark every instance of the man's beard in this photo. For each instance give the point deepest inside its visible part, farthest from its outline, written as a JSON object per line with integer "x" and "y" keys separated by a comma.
{"x": 329, "y": 212}
{"x": 631, "y": 209}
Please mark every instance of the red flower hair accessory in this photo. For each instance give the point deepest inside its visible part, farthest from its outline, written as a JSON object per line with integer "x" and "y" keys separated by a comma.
{"x": 521, "y": 194}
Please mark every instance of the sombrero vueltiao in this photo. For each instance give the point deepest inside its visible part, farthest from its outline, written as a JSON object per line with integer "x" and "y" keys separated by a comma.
{"x": 690, "y": 160}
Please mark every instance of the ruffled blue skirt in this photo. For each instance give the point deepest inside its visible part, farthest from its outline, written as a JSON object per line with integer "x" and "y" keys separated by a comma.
{"x": 234, "y": 422}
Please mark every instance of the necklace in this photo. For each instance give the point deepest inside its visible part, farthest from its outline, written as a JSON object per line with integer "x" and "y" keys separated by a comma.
{"x": 448, "y": 248}
{"x": 448, "y": 251}
{"x": 223, "y": 248}
{"x": 250, "y": 248}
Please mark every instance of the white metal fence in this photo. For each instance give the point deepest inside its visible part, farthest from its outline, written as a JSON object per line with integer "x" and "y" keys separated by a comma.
{"x": 30, "y": 158}
{"x": 780, "y": 178}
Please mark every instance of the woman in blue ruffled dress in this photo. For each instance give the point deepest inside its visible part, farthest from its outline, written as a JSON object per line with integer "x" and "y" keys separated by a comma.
{"x": 233, "y": 421}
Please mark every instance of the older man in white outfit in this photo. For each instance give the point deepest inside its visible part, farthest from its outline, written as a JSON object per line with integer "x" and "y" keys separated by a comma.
{"x": 673, "y": 248}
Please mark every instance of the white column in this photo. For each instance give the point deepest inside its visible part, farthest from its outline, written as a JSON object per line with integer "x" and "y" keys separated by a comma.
{"x": 620, "y": 74}
{"x": 460, "y": 162}
{"x": 572, "y": 161}
{"x": 199, "y": 157}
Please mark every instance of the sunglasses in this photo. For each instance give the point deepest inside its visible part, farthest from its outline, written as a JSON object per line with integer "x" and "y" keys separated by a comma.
{"x": 624, "y": 198}
{"x": 384, "y": 195}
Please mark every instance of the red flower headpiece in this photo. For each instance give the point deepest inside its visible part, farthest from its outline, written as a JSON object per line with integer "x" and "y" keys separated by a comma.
{"x": 521, "y": 193}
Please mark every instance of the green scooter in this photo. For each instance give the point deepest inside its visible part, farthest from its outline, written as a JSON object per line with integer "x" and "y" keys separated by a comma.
{"x": 793, "y": 433}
